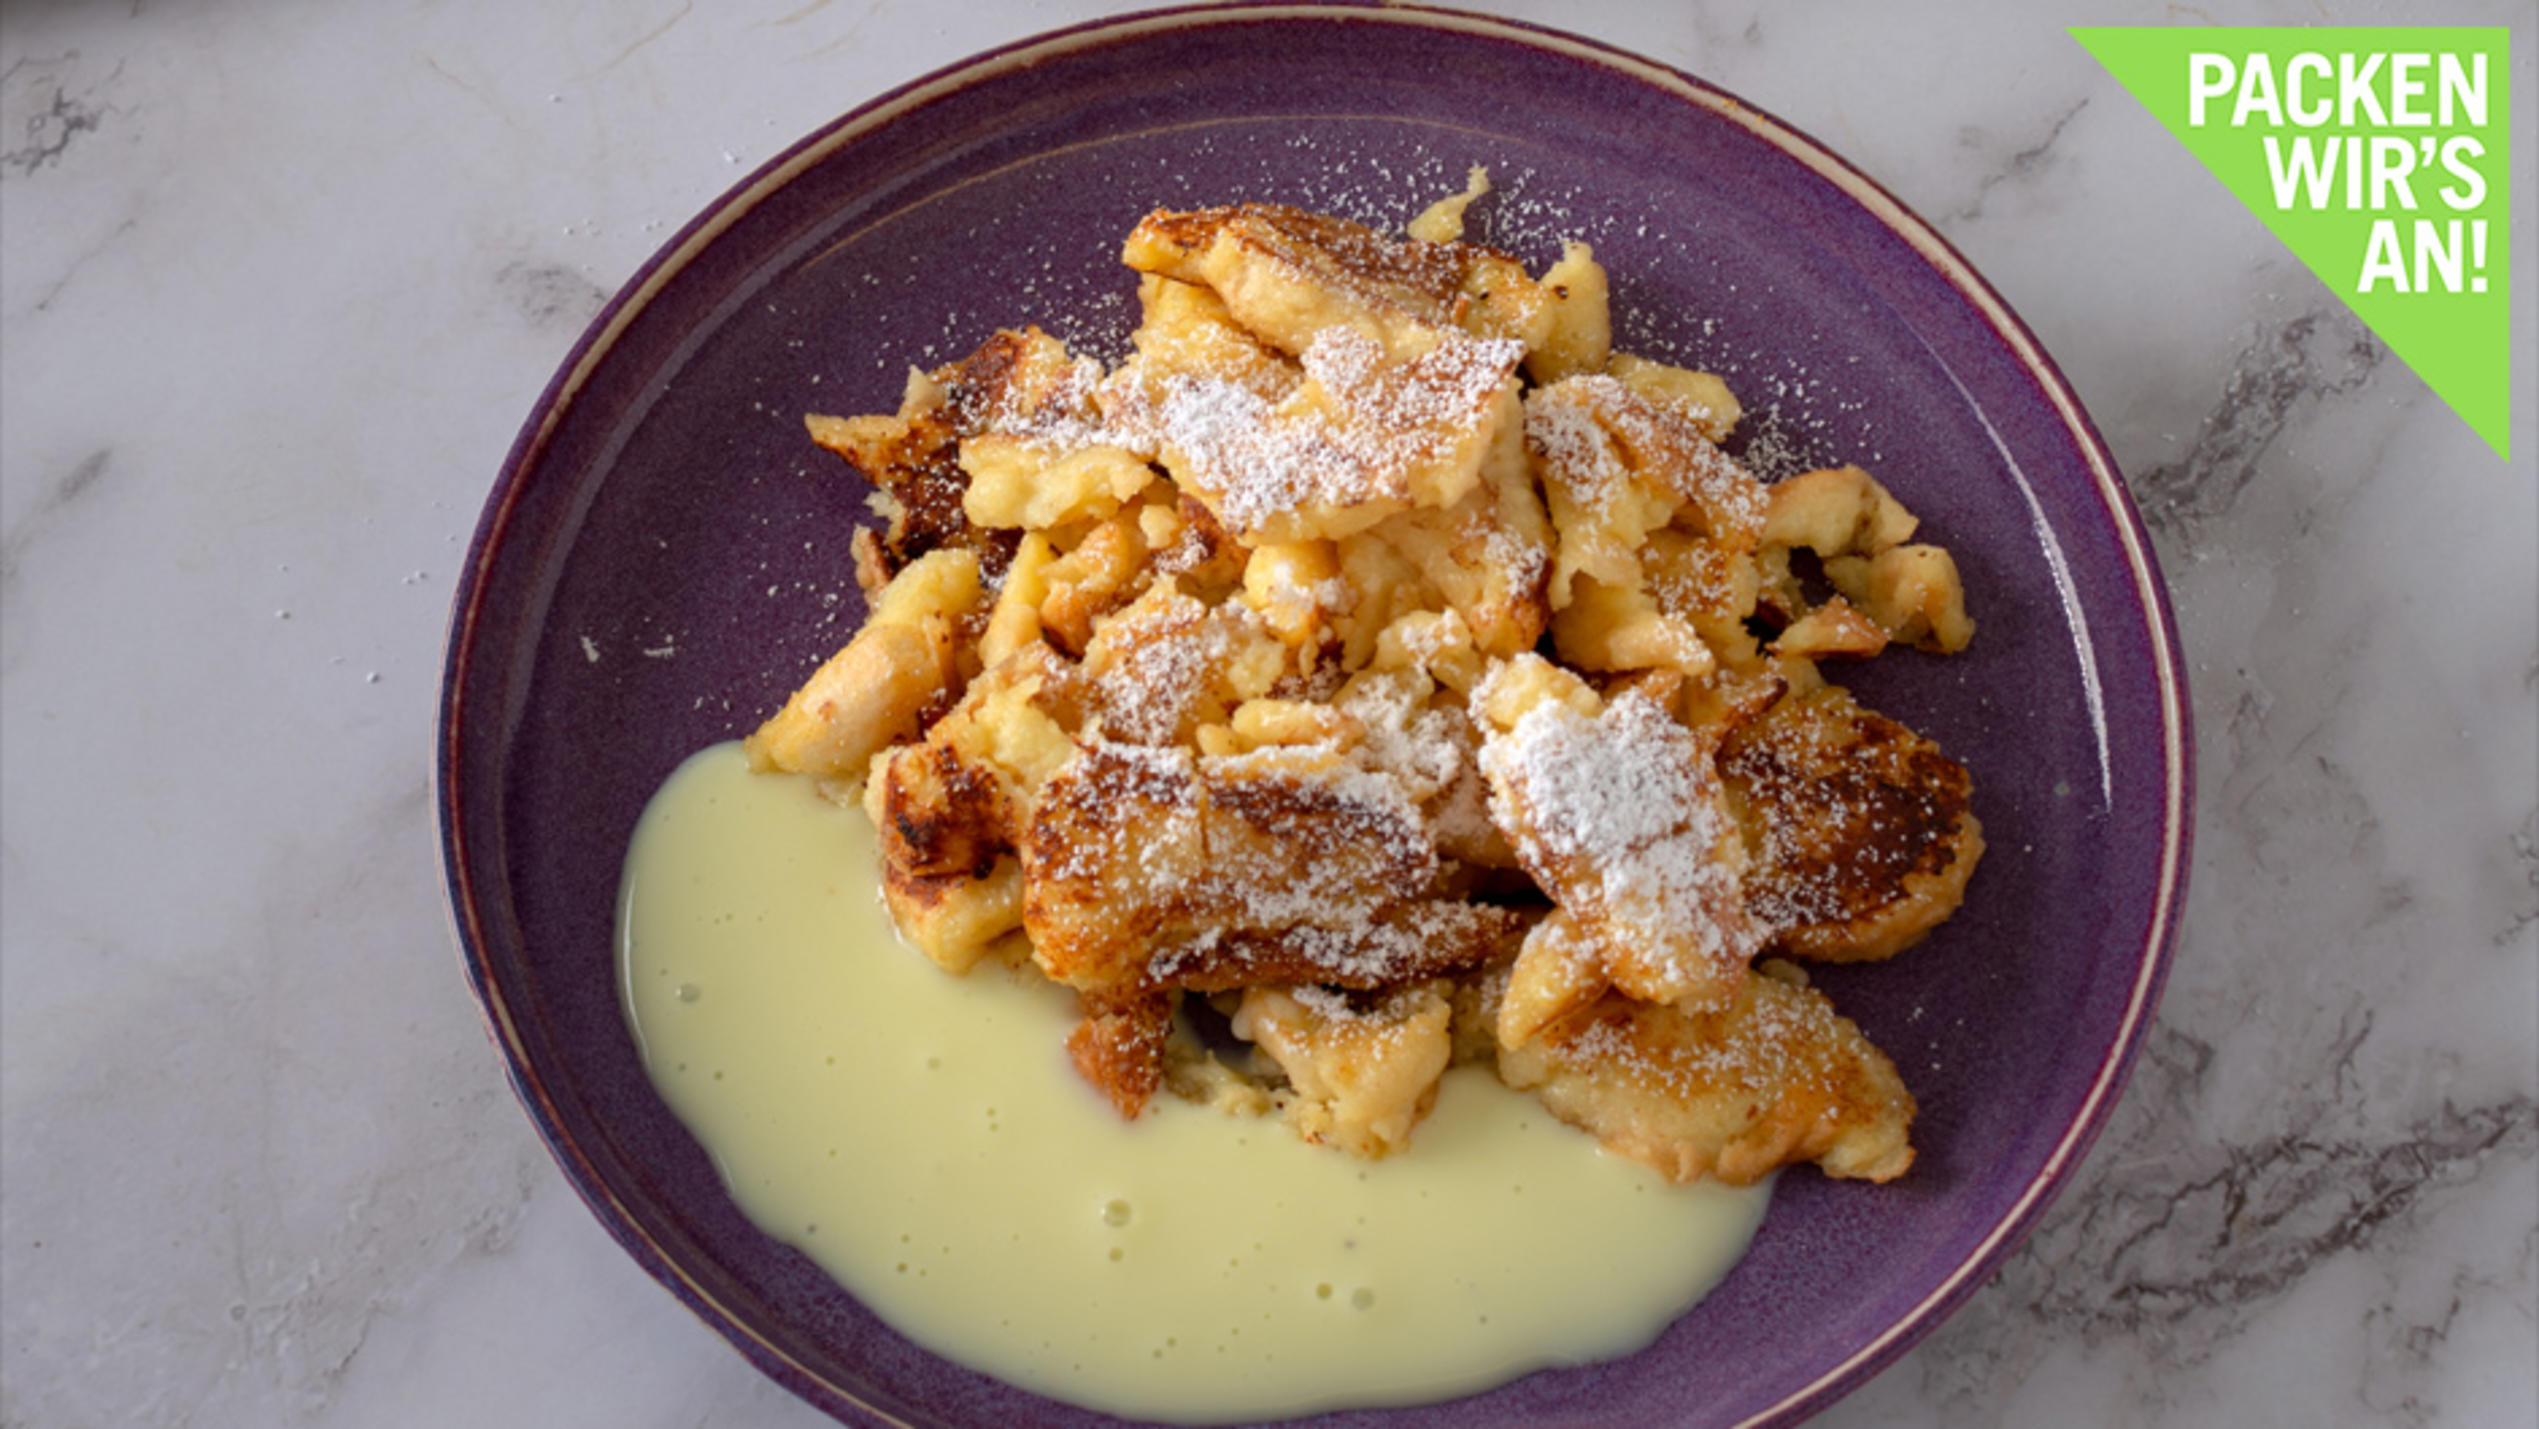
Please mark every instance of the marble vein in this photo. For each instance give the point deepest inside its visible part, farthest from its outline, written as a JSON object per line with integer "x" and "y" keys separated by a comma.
{"x": 798, "y": 16}
{"x": 2258, "y": 1217}
{"x": 2523, "y": 914}
{"x": 1715, "y": 34}
{"x": 853, "y": 31}
{"x": 57, "y": 117}
{"x": 2310, "y": 358}
{"x": 2176, "y": 1247}
{"x": 2020, "y": 167}
{"x": 2405, "y": 1344}
{"x": 48, "y": 509}
{"x": 53, "y": 290}
{"x": 646, "y": 38}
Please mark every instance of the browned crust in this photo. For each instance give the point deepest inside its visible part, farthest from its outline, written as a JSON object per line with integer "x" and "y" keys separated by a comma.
{"x": 1776, "y": 1078}
{"x": 1112, "y": 839}
{"x": 1862, "y": 829}
{"x": 1119, "y": 1046}
{"x": 1205, "y": 556}
{"x": 1424, "y": 280}
{"x": 941, "y": 817}
{"x": 921, "y": 471}
{"x": 1402, "y": 945}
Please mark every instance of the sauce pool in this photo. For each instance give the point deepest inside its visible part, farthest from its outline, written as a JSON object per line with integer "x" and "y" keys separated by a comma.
{"x": 922, "y": 1137}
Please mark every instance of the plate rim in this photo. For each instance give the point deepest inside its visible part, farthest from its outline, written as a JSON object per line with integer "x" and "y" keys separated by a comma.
{"x": 2158, "y": 627}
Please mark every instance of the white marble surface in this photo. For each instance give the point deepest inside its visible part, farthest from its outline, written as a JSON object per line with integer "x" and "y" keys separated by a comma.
{"x": 279, "y": 282}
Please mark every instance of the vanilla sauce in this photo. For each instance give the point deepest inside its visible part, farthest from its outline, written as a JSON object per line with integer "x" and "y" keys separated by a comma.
{"x": 922, "y": 1137}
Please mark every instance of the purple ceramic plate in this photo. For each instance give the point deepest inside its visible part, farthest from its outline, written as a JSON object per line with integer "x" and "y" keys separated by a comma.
{"x": 665, "y": 555}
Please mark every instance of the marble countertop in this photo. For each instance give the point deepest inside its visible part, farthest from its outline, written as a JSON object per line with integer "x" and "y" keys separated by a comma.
{"x": 279, "y": 283}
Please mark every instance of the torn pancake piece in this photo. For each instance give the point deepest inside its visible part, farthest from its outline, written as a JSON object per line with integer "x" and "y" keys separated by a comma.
{"x": 1365, "y": 436}
{"x": 1619, "y": 814}
{"x": 1119, "y": 1046}
{"x": 1288, "y": 276}
{"x": 1147, "y": 870}
{"x": 1775, "y": 1078}
{"x": 1864, "y": 833}
{"x": 1361, "y": 1072}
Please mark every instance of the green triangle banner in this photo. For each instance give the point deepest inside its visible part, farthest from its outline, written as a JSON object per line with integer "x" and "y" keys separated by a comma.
{"x": 2378, "y": 156}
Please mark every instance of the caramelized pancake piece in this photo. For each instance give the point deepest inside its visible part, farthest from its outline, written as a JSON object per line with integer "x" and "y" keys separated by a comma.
{"x": 1774, "y": 1078}
{"x": 1134, "y": 852}
{"x": 1557, "y": 971}
{"x": 1836, "y": 511}
{"x": 1402, "y": 943}
{"x": 913, "y": 462}
{"x": 1187, "y": 333}
{"x": 956, "y": 919}
{"x": 1736, "y": 695}
{"x": 1707, "y": 584}
{"x": 1442, "y": 221}
{"x": 1863, "y": 834}
{"x": 1028, "y": 484}
{"x": 1697, "y": 397}
{"x": 1913, "y": 592}
{"x": 1114, "y": 863}
{"x": 936, "y": 814}
{"x": 1167, "y": 664}
{"x": 947, "y": 812}
{"x": 1621, "y": 628}
{"x": 949, "y": 876}
{"x": 1909, "y": 592}
{"x": 1366, "y": 435}
{"x": 1485, "y": 558}
{"x": 1015, "y": 725}
{"x": 1426, "y": 742}
{"x": 1035, "y": 447}
{"x": 1617, "y": 466}
{"x": 1013, "y": 617}
{"x": 1290, "y": 276}
{"x": 1119, "y": 1046}
{"x": 1619, "y": 814}
{"x": 1296, "y": 589}
{"x": 1145, "y": 870}
{"x": 1105, "y": 570}
{"x": 1360, "y": 1075}
{"x": 1579, "y": 335}
{"x": 1282, "y": 723}
{"x": 1205, "y": 557}
{"x": 1020, "y": 384}
{"x": 1304, "y": 837}
{"x": 1834, "y": 630}
{"x": 904, "y": 664}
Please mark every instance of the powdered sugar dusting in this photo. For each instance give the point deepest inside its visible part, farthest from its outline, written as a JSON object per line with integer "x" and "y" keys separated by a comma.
{"x": 1358, "y": 435}
{"x": 1062, "y": 416}
{"x": 1568, "y": 425}
{"x": 1624, "y": 819}
{"x": 1572, "y": 445}
{"x": 1157, "y": 663}
{"x": 1415, "y": 940}
{"x": 1405, "y": 739}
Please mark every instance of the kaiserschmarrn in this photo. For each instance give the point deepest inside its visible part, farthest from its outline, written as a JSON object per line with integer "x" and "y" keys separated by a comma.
{"x": 1376, "y": 671}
